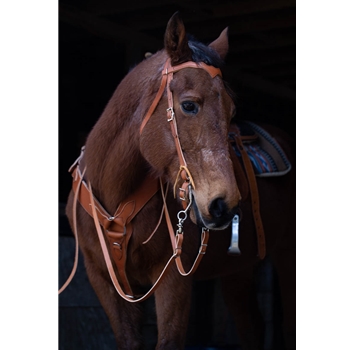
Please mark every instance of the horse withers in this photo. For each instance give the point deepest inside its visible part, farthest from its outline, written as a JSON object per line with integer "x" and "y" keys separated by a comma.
{"x": 164, "y": 133}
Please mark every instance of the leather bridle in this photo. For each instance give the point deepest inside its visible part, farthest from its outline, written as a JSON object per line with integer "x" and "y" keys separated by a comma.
{"x": 118, "y": 228}
{"x": 167, "y": 76}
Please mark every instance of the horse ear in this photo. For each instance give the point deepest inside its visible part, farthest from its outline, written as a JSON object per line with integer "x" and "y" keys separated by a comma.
{"x": 220, "y": 45}
{"x": 175, "y": 41}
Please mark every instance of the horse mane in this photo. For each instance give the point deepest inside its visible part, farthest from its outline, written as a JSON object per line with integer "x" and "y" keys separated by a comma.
{"x": 204, "y": 53}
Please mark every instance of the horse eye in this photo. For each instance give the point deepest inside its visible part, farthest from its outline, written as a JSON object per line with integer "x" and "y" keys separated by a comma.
{"x": 189, "y": 107}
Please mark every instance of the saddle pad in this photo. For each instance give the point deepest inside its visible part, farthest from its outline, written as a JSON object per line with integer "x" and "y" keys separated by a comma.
{"x": 266, "y": 155}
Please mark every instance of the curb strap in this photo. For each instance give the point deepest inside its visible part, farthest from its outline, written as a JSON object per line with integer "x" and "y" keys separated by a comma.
{"x": 254, "y": 193}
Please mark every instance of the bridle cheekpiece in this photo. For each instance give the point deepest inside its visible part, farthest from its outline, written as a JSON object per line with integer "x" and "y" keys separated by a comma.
{"x": 168, "y": 71}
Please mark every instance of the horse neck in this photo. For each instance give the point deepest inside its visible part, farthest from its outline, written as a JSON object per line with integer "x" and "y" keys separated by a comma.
{"x": 115, "y": 166}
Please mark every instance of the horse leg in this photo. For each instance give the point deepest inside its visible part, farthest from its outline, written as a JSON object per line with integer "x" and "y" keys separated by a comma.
{"x": 239, "y": 295}
{"x": 124, "y": 317}
{"x": 173, "y": 300}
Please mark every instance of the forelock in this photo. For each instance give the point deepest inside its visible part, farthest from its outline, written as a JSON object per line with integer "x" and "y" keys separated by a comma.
{"x": 203, "y": 53}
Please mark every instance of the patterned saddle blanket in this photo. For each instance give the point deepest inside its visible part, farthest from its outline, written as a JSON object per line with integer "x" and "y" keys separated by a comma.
{"x": 266, "y": 155}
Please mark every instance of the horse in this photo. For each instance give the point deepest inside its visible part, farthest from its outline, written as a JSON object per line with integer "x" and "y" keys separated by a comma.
{"x": 167, "y": 125}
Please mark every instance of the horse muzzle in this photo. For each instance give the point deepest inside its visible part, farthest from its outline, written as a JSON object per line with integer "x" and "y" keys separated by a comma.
{"x": 219, "y": 214}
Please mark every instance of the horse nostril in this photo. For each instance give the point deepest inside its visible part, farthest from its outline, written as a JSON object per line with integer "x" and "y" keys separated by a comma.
{"x": 218, "y": 208}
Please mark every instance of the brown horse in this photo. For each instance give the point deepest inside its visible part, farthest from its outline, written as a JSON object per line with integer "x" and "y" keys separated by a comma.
{"x": 132, "y": 140}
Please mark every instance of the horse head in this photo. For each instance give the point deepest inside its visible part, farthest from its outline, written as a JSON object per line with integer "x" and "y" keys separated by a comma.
{"x": 202, "y": 108}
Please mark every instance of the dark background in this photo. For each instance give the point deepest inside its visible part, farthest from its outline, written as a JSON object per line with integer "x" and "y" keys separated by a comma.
{"x": 99, "y": 41}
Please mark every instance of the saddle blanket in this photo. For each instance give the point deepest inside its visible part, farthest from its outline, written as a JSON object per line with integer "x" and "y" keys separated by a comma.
{"x": 266, "y": 155}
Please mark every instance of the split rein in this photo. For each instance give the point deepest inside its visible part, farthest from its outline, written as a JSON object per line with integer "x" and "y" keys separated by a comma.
{"x": 127, "y": 210}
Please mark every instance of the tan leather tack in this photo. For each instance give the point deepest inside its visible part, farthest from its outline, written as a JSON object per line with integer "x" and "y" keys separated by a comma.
{"x": 117, "y": 228}
{"x": 254, "y": 193}
{"x": 167, "y": 77}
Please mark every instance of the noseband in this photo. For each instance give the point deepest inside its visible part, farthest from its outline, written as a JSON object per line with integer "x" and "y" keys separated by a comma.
{"x": 167, "y": 77}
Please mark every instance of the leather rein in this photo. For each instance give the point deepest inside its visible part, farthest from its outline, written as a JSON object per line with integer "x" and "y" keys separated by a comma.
{"x": 118, "y": 228}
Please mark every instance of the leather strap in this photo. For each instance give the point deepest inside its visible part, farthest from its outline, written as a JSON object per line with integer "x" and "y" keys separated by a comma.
{"x": 167, "y": 77}
{"x": 126, "y": 210}
{"x": 176, "y": 241}
{"x": 177, "y": 249}
{"x": 76, "y": 256}
{"x": 129, "y": 298}
{"x": 97, "y": 212}
{"x": 254, "y": 193}
{"x": 201, "y": 253}
{"x": 117, "y": 228}
{"x": 212, "y": 71}
{"x": 240, "y": 176}
{"x": 154, "y": 103}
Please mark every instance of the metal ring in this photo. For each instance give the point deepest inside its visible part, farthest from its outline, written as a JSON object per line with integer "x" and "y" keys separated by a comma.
{"x": 170, "y": 109}
{"x": 178, "y": 215}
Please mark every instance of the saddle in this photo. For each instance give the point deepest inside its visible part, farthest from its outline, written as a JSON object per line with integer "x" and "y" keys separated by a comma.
{"x": 266, "y": 155}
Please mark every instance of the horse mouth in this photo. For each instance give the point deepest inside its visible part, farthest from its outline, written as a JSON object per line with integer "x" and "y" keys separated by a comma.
{"x": 219, "y": 220}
